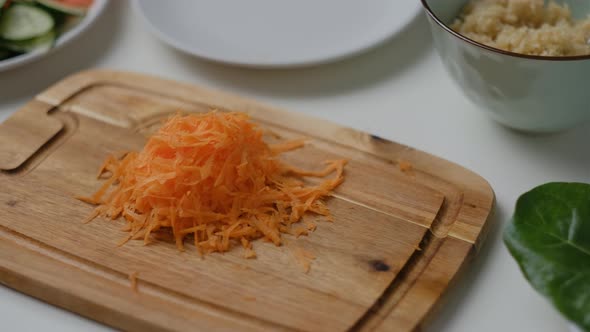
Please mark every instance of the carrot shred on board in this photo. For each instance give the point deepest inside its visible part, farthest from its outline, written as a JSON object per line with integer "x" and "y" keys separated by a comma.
{"x": 133, "y": 279}
{"x": 249, "y": 253}
{"x": 301, "y": 231}
{"x": 310, "y": 226}
{"x": 405, "y": 166}
{"x": 303, "y": 257}
{"x": 213, "y": 177}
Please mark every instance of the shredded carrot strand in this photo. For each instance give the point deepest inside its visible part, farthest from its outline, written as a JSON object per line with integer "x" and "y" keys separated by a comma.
{"x": 212, "y": 177}
{"x": 133, "y": 280}
{"x": 303, "y": 258}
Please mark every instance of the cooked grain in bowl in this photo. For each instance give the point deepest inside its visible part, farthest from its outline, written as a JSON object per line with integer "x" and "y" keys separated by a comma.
{"x": 525, "y": 26}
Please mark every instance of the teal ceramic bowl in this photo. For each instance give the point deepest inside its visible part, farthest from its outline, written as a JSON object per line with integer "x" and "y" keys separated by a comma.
{"x": 528, "y": 93}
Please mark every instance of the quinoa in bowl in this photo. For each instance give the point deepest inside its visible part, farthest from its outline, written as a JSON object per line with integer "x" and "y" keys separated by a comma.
{"x": 528, "y": 27}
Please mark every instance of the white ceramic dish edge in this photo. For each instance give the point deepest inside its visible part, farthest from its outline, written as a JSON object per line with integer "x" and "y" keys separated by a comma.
{"x": 275, "y": 65}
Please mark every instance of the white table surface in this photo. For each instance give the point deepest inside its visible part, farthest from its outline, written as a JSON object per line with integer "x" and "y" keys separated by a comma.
{"x": 399, "y": 91}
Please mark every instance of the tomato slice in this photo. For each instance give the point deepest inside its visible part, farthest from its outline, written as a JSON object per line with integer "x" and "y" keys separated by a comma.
{"x": 75, "y": 3}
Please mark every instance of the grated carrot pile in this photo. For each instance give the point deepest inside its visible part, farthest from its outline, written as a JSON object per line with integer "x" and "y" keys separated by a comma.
{"x": 212, "y": 177}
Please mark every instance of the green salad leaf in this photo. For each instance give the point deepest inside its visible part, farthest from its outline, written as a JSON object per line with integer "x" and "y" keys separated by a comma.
{"x": 549, "y": 237}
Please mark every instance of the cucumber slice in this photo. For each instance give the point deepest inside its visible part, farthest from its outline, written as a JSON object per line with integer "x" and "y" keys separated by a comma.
{"x": 63, "y": 8}
{"x": 2, "y": 9}
{"x": 39, "y": 44}
{"x": 67, "y": 23}
{"x": 21, "y": 22}
{"x": 5, "y": 54}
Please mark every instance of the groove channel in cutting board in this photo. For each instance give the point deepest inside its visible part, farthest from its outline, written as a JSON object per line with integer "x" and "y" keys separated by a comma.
{"x": 370, "y": 262}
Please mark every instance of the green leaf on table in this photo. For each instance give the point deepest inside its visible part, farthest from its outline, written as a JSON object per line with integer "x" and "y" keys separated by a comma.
{"x": 549, "y": 237}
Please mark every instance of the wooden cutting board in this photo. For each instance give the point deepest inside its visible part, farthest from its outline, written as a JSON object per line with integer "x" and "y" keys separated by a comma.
{"x": 399, "y": 238}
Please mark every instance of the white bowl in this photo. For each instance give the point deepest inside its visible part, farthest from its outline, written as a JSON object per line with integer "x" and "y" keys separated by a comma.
{"x": 538, "y": 94}
{"x": 89, "y": 19}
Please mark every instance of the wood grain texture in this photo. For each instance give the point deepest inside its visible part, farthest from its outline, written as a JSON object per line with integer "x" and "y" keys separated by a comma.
{"x": 25, "y": 133}
{"x": 399, "y": 239}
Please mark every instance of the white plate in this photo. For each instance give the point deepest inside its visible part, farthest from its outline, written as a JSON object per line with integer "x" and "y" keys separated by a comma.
{"x": 90, "y": 17}
{"x": 276, "y": 33}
